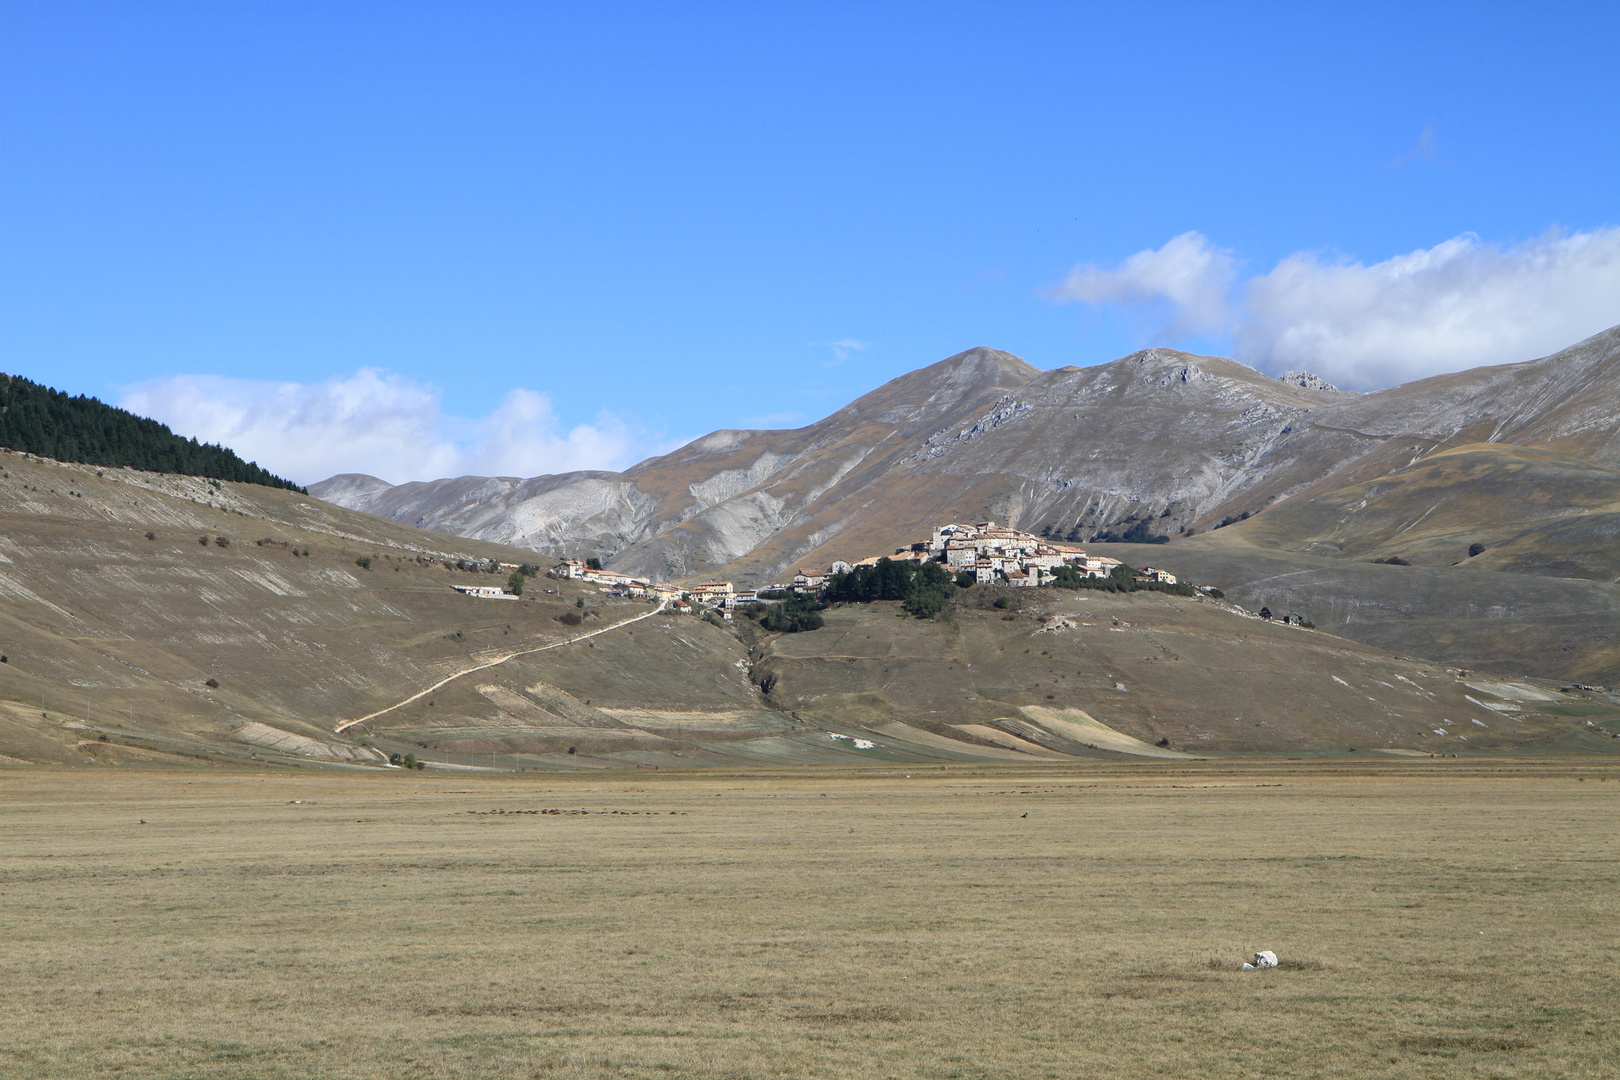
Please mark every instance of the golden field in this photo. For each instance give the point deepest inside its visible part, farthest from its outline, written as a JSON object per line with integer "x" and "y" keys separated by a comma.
{"x": 1434, "y": 918}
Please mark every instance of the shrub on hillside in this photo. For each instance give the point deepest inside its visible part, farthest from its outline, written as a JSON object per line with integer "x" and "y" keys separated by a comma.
{"x": 793, "y": 616}
{"x": 926, "y": 603}
{"x": 1121, "y": 579}
{"x": 1138, "y": 533}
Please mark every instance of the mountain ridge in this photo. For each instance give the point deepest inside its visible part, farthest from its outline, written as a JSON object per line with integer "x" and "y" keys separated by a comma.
{"x": 1185, "y": 440}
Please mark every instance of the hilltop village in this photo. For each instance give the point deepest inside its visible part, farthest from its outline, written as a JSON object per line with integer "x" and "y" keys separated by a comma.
{"x": 976, "y": 554}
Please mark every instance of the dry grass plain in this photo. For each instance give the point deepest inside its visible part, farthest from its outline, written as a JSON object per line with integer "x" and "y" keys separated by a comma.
{"x": 1435, "y": 918}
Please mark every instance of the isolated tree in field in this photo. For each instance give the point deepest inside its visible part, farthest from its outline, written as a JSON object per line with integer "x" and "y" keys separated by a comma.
{"x": 1475, "y": 549}
{"x": 514, "y": 584}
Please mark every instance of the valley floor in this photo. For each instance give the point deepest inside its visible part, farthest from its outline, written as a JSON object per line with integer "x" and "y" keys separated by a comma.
{"x": 1434, "y": 918}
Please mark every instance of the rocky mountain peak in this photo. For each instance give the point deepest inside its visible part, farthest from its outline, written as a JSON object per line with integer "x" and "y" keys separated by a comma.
{"x": 1308, "y": 380}
{"x": 345, "y": 488}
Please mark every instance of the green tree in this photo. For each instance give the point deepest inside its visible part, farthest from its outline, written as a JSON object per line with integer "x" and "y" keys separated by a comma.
{"x": 931, "y": 588}
{"x": 594, "y": 563}
{"x": 38, "y": 420}
{"x": 793, "y": 616}
{"x": 925, "y": 603}
{"x": 514, "y": 584}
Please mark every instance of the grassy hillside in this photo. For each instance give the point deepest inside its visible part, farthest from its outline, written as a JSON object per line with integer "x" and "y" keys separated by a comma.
{"x": 1542, "y": 598}
{"x": 169, "y": 619}
{"x": 1462, "y": 616}
{"x": 1194, "y": 674}
{"x": 1533, "y": 511}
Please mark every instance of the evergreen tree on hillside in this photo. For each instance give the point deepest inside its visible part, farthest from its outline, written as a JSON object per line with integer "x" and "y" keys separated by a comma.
{"x": 38, "y": 420}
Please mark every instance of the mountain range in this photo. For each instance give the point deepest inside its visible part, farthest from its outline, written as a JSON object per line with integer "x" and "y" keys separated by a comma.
{"x": 1523, "y": 459}
{"x": 1180, "y": 440}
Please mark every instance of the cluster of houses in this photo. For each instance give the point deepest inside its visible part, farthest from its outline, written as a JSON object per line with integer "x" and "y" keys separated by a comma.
{"x": 714, "y": 594}
{"x": 996, "y": 553}
{"x": 992, "y": 553}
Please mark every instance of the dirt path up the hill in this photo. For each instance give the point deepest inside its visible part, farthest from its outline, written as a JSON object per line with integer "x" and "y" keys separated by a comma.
{"x": 347, "y": 724}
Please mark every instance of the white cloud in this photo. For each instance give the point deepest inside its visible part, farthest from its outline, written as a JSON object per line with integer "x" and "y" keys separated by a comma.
{"x": 1457, "y": 305}
{"x": 842, "y": 350}
{"x": 1177, "y": 291}
{"x": 379, "y": 423}
{"x": 1460, "y": 304}
{"x": 1425, "y": 151}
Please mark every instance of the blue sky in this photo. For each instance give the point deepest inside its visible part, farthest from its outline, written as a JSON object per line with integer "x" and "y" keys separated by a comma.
{"x": 420, "y": 239}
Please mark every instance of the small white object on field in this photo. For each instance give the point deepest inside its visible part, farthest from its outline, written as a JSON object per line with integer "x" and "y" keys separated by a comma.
{"x": 1267, "y": 959}
{"x": 1248, "y": 967}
